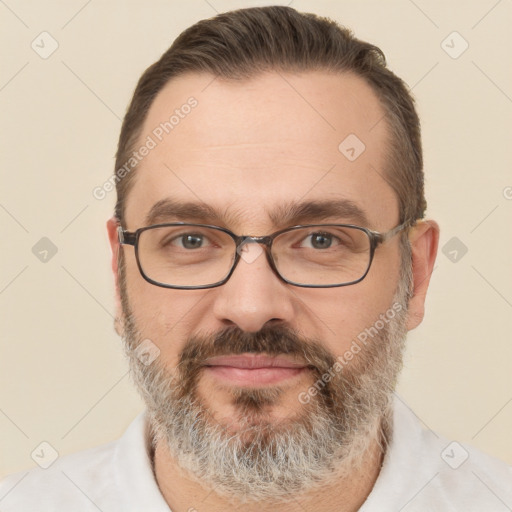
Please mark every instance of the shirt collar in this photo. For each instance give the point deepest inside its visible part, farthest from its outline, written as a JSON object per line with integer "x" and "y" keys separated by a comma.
{"x": 400, "y": 471}
{"x": 134, "y": 472}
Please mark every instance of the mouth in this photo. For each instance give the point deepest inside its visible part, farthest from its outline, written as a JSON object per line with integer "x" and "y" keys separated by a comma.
{"x": 254, "y": 370}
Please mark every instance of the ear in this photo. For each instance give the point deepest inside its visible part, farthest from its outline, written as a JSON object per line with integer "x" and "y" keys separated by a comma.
{"x": 115, "y": 246}
{"x": 424, "y": 239}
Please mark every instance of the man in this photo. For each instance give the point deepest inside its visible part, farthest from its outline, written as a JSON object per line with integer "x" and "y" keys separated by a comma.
{"x": 270, "y": 255}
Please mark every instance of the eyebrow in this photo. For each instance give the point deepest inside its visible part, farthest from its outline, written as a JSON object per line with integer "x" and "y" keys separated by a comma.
{"x": 168, "y": 208}
{"x": 315, "y": 211}
{"x": 289, "y": 214}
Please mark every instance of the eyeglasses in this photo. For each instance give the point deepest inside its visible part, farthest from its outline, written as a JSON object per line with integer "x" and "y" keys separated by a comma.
{"x": 196, "y": 256}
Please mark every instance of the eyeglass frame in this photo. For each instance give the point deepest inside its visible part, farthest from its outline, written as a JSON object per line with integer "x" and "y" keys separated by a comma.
{"x": 376, "y": 238}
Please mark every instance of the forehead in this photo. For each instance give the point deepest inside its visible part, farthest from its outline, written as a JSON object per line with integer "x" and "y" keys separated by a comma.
{"x": 246, "y": 148}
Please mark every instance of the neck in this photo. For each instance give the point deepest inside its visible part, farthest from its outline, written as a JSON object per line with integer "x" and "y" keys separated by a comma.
{"x": 345, "y": 492}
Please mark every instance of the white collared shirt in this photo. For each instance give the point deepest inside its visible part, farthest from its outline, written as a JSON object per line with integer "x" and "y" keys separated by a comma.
{"x": 422, "y": 472}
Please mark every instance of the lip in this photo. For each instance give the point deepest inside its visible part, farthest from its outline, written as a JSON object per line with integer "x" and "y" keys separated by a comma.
{"x": 253, "y": 370}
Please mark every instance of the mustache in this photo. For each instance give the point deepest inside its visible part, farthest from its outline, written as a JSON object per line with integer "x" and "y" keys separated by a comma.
{"x": 270, "y": 340}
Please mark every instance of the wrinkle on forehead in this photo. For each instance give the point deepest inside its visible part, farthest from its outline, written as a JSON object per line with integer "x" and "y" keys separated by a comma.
{"x": 250, "y": 148}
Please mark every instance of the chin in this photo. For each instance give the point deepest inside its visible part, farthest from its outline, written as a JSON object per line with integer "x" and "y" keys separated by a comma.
{"x": 256, "y": 410}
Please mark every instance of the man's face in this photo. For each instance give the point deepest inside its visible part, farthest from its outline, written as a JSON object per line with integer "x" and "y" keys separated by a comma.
{"x": 254, "y": 152}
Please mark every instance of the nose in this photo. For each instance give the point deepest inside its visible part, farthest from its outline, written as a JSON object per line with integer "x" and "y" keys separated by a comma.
{"x": 254, "y": 295}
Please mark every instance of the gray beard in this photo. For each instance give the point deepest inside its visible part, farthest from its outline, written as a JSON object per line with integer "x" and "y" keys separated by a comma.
{"x": 265, "y": 460}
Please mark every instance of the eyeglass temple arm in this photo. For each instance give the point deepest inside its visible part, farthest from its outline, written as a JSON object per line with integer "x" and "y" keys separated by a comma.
{"x": 125, "y": 237}
{"x": 382, "y": 237}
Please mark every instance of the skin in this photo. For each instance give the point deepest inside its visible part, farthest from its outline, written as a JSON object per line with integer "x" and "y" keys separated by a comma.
{"x": 245, "y": 150}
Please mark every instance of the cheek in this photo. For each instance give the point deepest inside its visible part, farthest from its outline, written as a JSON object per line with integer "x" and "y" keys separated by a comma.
{"x": 339, "y": 315}
{"x": 165, "y": 316}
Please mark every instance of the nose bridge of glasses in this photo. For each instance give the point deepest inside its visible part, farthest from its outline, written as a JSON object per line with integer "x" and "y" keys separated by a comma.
{"x": 247, "y": 239}
{"x": 249, "y": 248}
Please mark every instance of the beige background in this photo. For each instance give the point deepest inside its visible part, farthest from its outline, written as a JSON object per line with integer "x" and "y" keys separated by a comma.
{"x": 63, "y": 378}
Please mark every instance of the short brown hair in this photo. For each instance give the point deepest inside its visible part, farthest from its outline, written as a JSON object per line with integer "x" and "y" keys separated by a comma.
{"x": 240, "y": 44}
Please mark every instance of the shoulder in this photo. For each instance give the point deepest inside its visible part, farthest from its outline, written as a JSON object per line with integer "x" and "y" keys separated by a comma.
{"x": 467, "y": 475}
{"x": 117, "y": 476}
{"x": 70, "y": 483}
{"x": 425, "y": 471}
{"x": 460, "y": 477}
